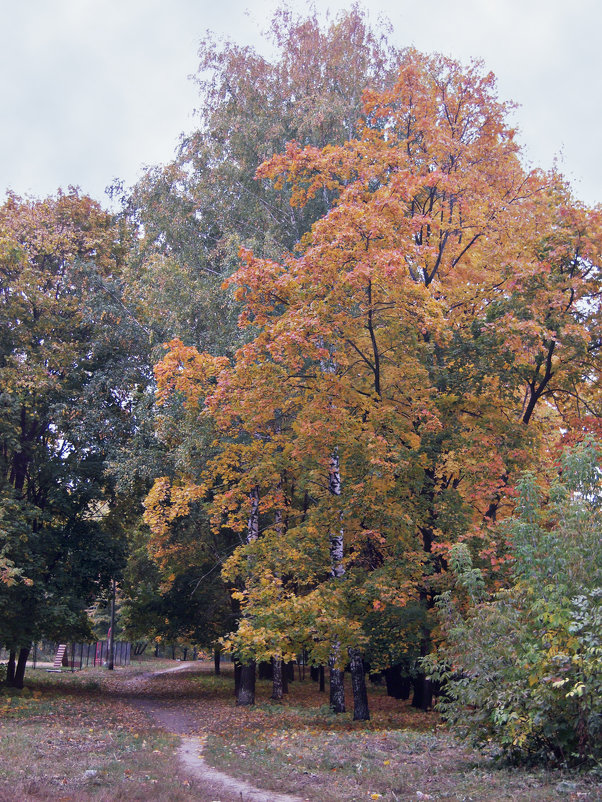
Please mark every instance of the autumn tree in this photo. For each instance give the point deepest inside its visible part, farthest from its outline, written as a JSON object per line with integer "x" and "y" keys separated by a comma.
{"x": 433, "y": 192}
{"x": 195, "y": 213}
{"x": 68, "y": 362}
{"x": 457, "y": 297}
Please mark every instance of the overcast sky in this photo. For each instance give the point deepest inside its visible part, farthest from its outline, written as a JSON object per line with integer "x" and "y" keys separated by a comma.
{"x": 93, "y": 90}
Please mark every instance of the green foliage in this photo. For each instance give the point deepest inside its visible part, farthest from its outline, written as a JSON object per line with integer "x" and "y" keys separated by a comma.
{"x": 524, "y": 668}
{"x": 395, "y": 633}
{"x": 184, "y": 601}
{"x": 68, "y": 360}
{"x": 469, "y": 578}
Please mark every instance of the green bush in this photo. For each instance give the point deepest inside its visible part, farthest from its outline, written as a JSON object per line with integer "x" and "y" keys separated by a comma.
{"x": 523, "y": 669}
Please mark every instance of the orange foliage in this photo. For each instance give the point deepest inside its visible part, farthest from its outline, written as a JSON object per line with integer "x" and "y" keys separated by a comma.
{"x": 439, "y": 327}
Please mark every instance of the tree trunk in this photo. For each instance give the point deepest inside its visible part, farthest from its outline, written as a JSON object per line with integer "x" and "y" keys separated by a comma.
{"x": 337, "y": 572}
{"x": 246, "y": 688}
{"x": 216, "y": 661}
{"x": 337, "y": 688}
{"x": 277, "y": 672}
{"x": 398, "y": 686}
{"x": 264, "y": 670}
{"x": 423, "y": 694}
{"x": 111, "y": 660}
{"x": 358, "y": 685}
{"x": 10, "y": 668}
{"x": 20, "y": 670}
{"x": 423, "y": 690}
{"x": 244, "y": 678}
{"x": 237, "y": 675}
{"x": 405, "y": 687}
{"x": 314, "y": 673}
{"x": 322, "y": 683}
{"x": 337, "y": 568}
{"x": 253, "y": 523}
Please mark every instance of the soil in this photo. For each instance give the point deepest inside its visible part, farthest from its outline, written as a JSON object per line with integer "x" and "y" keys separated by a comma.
{"x": 175, "y": 718}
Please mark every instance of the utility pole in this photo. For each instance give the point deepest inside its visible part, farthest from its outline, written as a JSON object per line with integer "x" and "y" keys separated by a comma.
{"x": 111, "y": 658}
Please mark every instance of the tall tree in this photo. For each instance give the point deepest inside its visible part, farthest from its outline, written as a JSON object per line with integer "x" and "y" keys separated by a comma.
{"x": 195, "y": 213}
{"x": 460, "y": 297}
{"x": 67, "y": 363}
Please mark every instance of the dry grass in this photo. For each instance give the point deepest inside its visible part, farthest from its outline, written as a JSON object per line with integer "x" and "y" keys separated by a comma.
{"x": 83, "y": 737}
{"x": 67, "y": 739}
{"x": 401, "y": 754}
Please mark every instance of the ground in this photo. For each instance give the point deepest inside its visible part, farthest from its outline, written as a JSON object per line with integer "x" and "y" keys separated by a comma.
{"x": 136, "y": 734}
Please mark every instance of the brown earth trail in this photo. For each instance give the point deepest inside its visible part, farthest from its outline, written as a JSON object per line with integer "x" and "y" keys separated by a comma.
{"x": 172, "y": 714}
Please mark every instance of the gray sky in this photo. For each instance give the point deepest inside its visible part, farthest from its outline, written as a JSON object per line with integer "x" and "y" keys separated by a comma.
{"x": 92, "y": 90}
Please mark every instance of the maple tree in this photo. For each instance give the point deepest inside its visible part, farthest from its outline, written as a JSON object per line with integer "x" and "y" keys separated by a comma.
{"x": 456, "y": 297}
{"x": 195, "y": 213}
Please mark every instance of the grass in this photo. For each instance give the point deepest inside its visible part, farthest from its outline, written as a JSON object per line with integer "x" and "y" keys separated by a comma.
{"x": 387, "y": 765}
{"x": 81, "y": 737}
{"x": 64, "y": 738}
{"x": 401, "y": 754}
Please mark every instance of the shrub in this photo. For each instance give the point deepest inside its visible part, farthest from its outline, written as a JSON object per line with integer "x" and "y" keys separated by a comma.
{"x": 523, "y": 669}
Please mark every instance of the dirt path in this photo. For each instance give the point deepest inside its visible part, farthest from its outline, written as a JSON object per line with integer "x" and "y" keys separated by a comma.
{"x": 177, "y": 719}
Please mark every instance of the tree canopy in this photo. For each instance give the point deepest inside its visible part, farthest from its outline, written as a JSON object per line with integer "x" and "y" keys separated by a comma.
{"x": 437, "y": 329}
{"x": 67, "y": 365}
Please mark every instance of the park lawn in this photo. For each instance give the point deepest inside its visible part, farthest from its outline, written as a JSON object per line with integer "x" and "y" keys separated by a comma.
{"x": 65, "y": 738}
{"x": 300, "y": 747}
{"x": 80, "y": 737}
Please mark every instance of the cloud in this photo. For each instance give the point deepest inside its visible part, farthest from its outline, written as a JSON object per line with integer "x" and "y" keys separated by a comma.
{"x": 93, "y": 91}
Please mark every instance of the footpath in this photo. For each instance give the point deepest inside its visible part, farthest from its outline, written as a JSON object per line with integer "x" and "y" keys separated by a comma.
{"x": 176, "y": 718}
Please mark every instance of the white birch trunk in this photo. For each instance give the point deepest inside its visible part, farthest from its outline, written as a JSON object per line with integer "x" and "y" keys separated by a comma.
{"x": 245, "y": 693}
{"x": 337, "y": 571}
{"x": 253, "y": 524}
